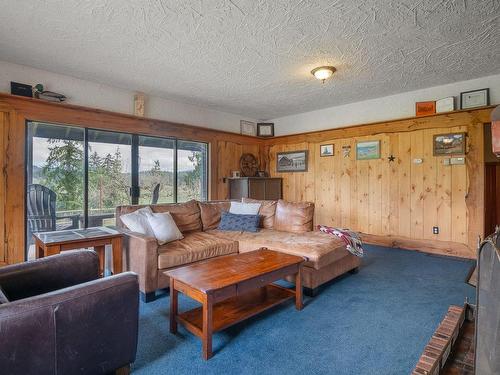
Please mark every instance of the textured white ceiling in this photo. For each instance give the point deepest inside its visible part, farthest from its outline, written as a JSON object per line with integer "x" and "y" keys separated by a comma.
{"x": 253, "y": 57}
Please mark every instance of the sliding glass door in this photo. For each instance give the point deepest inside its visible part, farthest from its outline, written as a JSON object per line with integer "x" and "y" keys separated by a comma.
{"x": 76, "y": 177}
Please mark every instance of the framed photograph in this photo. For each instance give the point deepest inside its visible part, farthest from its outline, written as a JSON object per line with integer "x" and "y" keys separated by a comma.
{"x": 475, "y": 98}
{"x": 235, "y": 174}
{"x": 265, "y": 129}
{"x": 425, "y": 108}
{"x": 326, "y": 150}
{"x": 247, "y": 128}
{"x": 368, "y": 150}
{"x": 346, "y": 151}
{"x": 295, "y": 161}
{"x": 445, "y": 105}
{"x": 449, "y": 144}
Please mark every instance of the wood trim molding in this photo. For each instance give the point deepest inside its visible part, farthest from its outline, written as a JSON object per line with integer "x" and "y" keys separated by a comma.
{"x": 43, "y": 111}
{"x": 455, "y": 249}
{"x": 441, "y": 120}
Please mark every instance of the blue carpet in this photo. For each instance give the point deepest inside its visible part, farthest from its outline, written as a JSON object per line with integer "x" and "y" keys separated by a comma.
{"x": 375, "y": 322}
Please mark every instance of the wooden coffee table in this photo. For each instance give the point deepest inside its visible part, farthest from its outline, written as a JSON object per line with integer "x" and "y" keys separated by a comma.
{"x": 231, "y": 288}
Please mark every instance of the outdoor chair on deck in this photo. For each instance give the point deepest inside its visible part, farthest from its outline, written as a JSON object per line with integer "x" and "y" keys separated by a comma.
{"x": 41, "y": 211}
{"x": 156, "y": 194}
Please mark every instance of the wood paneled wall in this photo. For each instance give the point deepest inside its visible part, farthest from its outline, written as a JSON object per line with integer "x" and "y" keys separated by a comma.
{"x": 228, "y": 160}
{"x": 395, "y": 203}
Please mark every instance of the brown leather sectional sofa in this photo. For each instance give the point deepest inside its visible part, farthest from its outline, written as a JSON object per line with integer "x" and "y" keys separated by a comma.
{"x": 286, "y": 227}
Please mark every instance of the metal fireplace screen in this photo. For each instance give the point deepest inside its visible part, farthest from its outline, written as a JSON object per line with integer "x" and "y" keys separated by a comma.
{"x": 488, "y": 307}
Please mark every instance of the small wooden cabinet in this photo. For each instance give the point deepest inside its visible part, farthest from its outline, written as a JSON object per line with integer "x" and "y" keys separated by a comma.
{"x": 262, "y": 188}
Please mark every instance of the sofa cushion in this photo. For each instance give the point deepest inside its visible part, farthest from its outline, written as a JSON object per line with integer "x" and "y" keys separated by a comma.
{"x": 296, "y": 217}
{"x": 320, "y": 249}
{"x": 211, "y": 212}
{"x": 195, "y": 246}
{"x": 233, "y": 222}
{"x": 186, "y": 215}
{"x": 267, "y": 211}
{"x": 164, "y": 227}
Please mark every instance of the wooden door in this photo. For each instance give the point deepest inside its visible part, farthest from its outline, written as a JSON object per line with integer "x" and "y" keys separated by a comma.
{"x": 491, "y": 197}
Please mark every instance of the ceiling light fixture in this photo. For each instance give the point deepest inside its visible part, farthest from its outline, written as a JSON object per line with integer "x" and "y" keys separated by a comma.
{"x": 323, "y": 72}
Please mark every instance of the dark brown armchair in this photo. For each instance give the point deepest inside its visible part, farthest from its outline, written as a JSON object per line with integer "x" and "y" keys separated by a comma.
{"x": 62, "y": 319}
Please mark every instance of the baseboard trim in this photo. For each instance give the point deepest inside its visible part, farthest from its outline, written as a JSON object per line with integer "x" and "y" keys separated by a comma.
{"x": 448, "y": 248}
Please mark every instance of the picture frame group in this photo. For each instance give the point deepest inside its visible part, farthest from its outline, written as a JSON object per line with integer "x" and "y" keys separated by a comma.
{"x": 468, "y": 100}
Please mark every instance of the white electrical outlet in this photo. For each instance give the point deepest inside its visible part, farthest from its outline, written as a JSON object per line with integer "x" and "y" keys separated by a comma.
{"x": 457, "y": 161}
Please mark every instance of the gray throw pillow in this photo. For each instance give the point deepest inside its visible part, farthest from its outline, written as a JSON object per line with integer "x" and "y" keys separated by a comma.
{"x": 3, "y": 297}
{"x": 234, "y": 222}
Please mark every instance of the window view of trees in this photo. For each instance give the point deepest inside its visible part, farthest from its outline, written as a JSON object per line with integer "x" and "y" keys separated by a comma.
{"x": 63, "y": 173}
{"x": 190, "y": 181}
{"x": 109, "y": 186}
{"x": 58, "y": 164}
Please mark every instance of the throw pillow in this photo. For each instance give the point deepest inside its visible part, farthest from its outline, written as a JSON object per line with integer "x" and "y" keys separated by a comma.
{"x": 3, "y": 297}
{"x": 234, "y": 222}
{"x": 267, "y": 212}
{"x": 240, "y": 208}
{"x": 164, "y": 227}
{"x": 137, "y": 221}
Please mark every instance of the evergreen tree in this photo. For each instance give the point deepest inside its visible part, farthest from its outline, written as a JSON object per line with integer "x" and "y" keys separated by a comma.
{"x": 108, "y": 186}
{"x": 63, "y": 173}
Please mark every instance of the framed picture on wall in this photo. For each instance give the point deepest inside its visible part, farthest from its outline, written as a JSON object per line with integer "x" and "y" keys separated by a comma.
{"x": 368, "y": 150}
{"x": 326, "y": 150}
{"x": 247, "y": 127}
{"x": 475, "y": 98}
{"x": 294, "y": 161}
{"x": 265, "y": 129}
{"x": 449, "y": 144}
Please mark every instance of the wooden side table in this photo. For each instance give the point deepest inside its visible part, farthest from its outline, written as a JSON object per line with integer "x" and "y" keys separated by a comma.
{"x": 51, "y": 243}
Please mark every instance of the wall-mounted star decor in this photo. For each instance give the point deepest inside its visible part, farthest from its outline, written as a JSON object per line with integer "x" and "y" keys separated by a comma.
{"x": 391, "y": 158}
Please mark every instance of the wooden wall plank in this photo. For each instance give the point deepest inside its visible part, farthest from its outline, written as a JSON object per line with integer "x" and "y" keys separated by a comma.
{"x": 404, "y": 161}
{"x": 416, "y": 194}
{"x": 429, "y": 186}
{"x": 458, "y": 192}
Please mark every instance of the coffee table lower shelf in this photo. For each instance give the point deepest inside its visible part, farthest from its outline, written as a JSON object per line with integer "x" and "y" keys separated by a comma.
{"x": 236, "y": 309}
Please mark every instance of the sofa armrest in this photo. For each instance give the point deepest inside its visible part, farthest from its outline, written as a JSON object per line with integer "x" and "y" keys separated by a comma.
{"x": 140, "y": 254}
{"x": 89, "y": 328}
{"x": 44, "y": 275}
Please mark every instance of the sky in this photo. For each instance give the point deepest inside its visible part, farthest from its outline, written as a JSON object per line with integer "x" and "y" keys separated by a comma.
{"x": 147, "y": 155}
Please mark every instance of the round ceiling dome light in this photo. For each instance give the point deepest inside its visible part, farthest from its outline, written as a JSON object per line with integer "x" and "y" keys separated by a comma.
{"x": 323, "y": 72}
